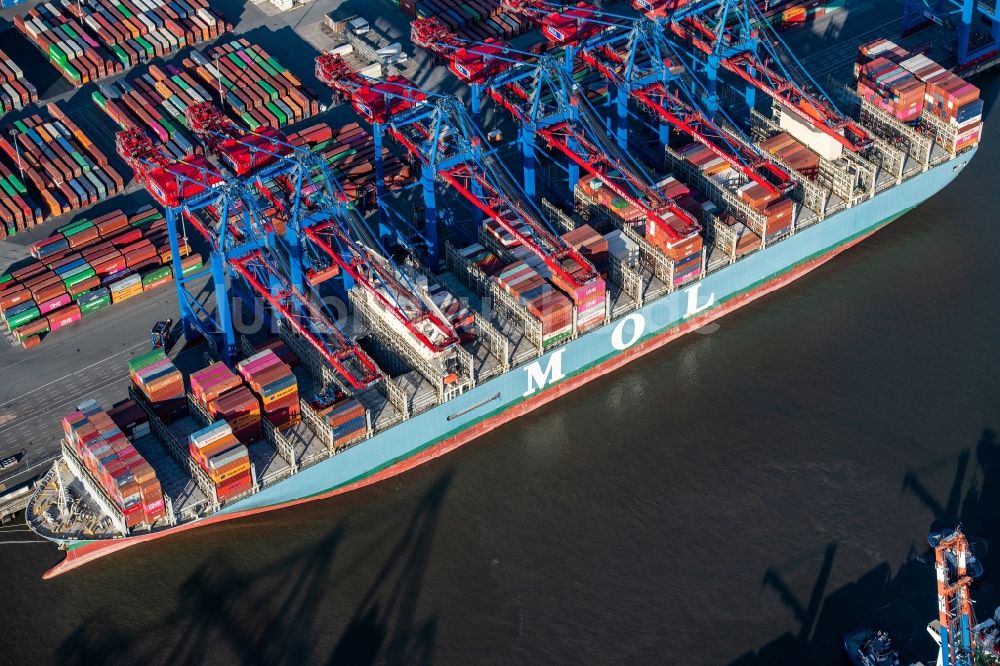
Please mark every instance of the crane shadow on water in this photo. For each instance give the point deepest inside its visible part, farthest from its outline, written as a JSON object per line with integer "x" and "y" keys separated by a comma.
{"x": 901, "y": 602}
{"x": 280, "y": 611}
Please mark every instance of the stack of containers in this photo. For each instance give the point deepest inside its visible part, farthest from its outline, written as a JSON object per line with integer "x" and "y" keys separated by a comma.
{"x": 241, "y": 410}
{"x": 211, "y": 382}
{"x": 60, "y": 161}
{"x": 347, "y": 419}
{"x": 947, "y": 96}
{"x": 109, "y": 456}
{"x": 457, "y": 314}
{"x": 879, "y": 48}
{"x": 892, "y": 88}
{"x": 274, "y": 383}
{"x": 278, "y": 346}
{"x": 793, "y": 153}
{"x": 258, "y": 88}
{"x": 155, "y": 101}
{"x": 159, "y": 380}
{"x": 88, "y": 263}
{"x": 589, "y": 298}
{"x": 350, "y": 152}
{"x": 483, "y": 259}
{"x": 71, "y": 49}
{"x": 18, "y": 210}
{"x": 622, "y": 248}
{"x": 16, "y": 92}
{"x": 114, "y": 35}
{"x": 226, "y": 462}
{"x": 590, "y": 244}
{"x": 777, "y": 210}
{"x": 547, "y": 304}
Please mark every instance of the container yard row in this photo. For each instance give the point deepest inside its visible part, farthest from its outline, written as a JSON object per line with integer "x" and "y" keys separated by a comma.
{"x": 258, "y": 88}
{"x": 16, "y": 92}
{"x": 85, "y": 267}
{"x": 110, "y": 37}
{"x": 51, "y": 155}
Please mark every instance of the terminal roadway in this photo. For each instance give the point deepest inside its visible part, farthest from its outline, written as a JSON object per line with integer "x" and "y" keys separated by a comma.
{"x": 42, "y": 384}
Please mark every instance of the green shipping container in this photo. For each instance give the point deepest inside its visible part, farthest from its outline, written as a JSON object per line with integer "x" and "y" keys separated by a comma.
{"x": 122, "y": 55}
{"x": 7, "y": 187}
{"x": 79, "y": 277}
{"x": 155, "y": 275}
{"x": 56, "y": 55}
{"x": 71, "y": 72}
{"x": 282, "y": 119}
{"x": 4, "y": 279}
{"x": 192, "y": 268}
{"x": 95, "y": 304}
{"x": 22, "y": 318}
{"x": 145, "y": 360}
{"x": 74, "y": 226}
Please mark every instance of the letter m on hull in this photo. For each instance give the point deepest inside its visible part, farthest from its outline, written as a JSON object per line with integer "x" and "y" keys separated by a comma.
{"x": 539, "y": 378}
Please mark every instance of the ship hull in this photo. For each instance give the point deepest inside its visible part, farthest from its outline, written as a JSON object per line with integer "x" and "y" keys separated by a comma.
{"x": 596, "y": 353}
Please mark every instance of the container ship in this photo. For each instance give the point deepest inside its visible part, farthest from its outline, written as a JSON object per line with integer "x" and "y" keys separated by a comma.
{"x": 540, "y": 301}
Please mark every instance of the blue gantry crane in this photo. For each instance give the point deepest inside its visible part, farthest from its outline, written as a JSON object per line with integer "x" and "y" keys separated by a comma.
{"x": 439, "y": 133}
{"x": 973, "y": 46}
{"x": 250, "y": 256}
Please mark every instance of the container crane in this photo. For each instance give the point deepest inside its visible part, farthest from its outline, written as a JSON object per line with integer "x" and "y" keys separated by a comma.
{"x": 240, "y": 151}
{"x": 564, "y": 122}
{"x": 733, "y": 35}
{"x": 973, "y": 48}
{"x": 166, "y": 180}
{"x": 953, "y": 630}
{"x": 228, "y": 213}
{"x": 472, "y": 63}
{"x": 439, "y": 133}
{"x": 386, "y": 286}
{"x": 640, "y": 61}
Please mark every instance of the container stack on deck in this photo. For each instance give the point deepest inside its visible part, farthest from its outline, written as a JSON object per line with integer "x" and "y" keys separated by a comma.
{"x": 226, "y": 462}
{"x": 155, "y": 101}
{"x": 943, "y": 94}
{"x": 547, "y": 304}
{"x": 60, "y": 161}
{"x": 684, "y": 254}
{"x": 16, "y": 92}
{"x": 123, "y": 473}
{"x": 777, "y": 210}
{"x": 257, "y": 87}
{"x": 347, "y": 418}
{"x": 273, "y": 382}
{"x": 158, "y": 379}
{"x": 350, "y": 152}
{"x": 85, "y": 267}
{"x": 115, "y": 35}
{"x": 793, "y": 153}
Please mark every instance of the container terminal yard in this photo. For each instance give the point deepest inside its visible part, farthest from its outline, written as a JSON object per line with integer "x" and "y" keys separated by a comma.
{"x": 429, "y": 266}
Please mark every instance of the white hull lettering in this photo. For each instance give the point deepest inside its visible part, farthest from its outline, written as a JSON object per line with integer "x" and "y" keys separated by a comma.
{"x": 618, "y": 340}
{"x": 538, "y": 378}
{"x": 692, "y": 303}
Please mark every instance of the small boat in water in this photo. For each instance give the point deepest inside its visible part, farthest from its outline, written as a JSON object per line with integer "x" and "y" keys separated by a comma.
{"x": 870, "y": 648}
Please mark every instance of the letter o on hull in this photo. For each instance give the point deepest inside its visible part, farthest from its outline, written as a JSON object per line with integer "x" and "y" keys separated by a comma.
{"x": 638, "y": 325}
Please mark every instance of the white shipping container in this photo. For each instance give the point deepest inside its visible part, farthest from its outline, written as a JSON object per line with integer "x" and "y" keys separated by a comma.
{"x": 206, "y": 16}
{"x": 820, "y": 142}
{"x": 342, "y": 50}
{"x": 372, "y": 71}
